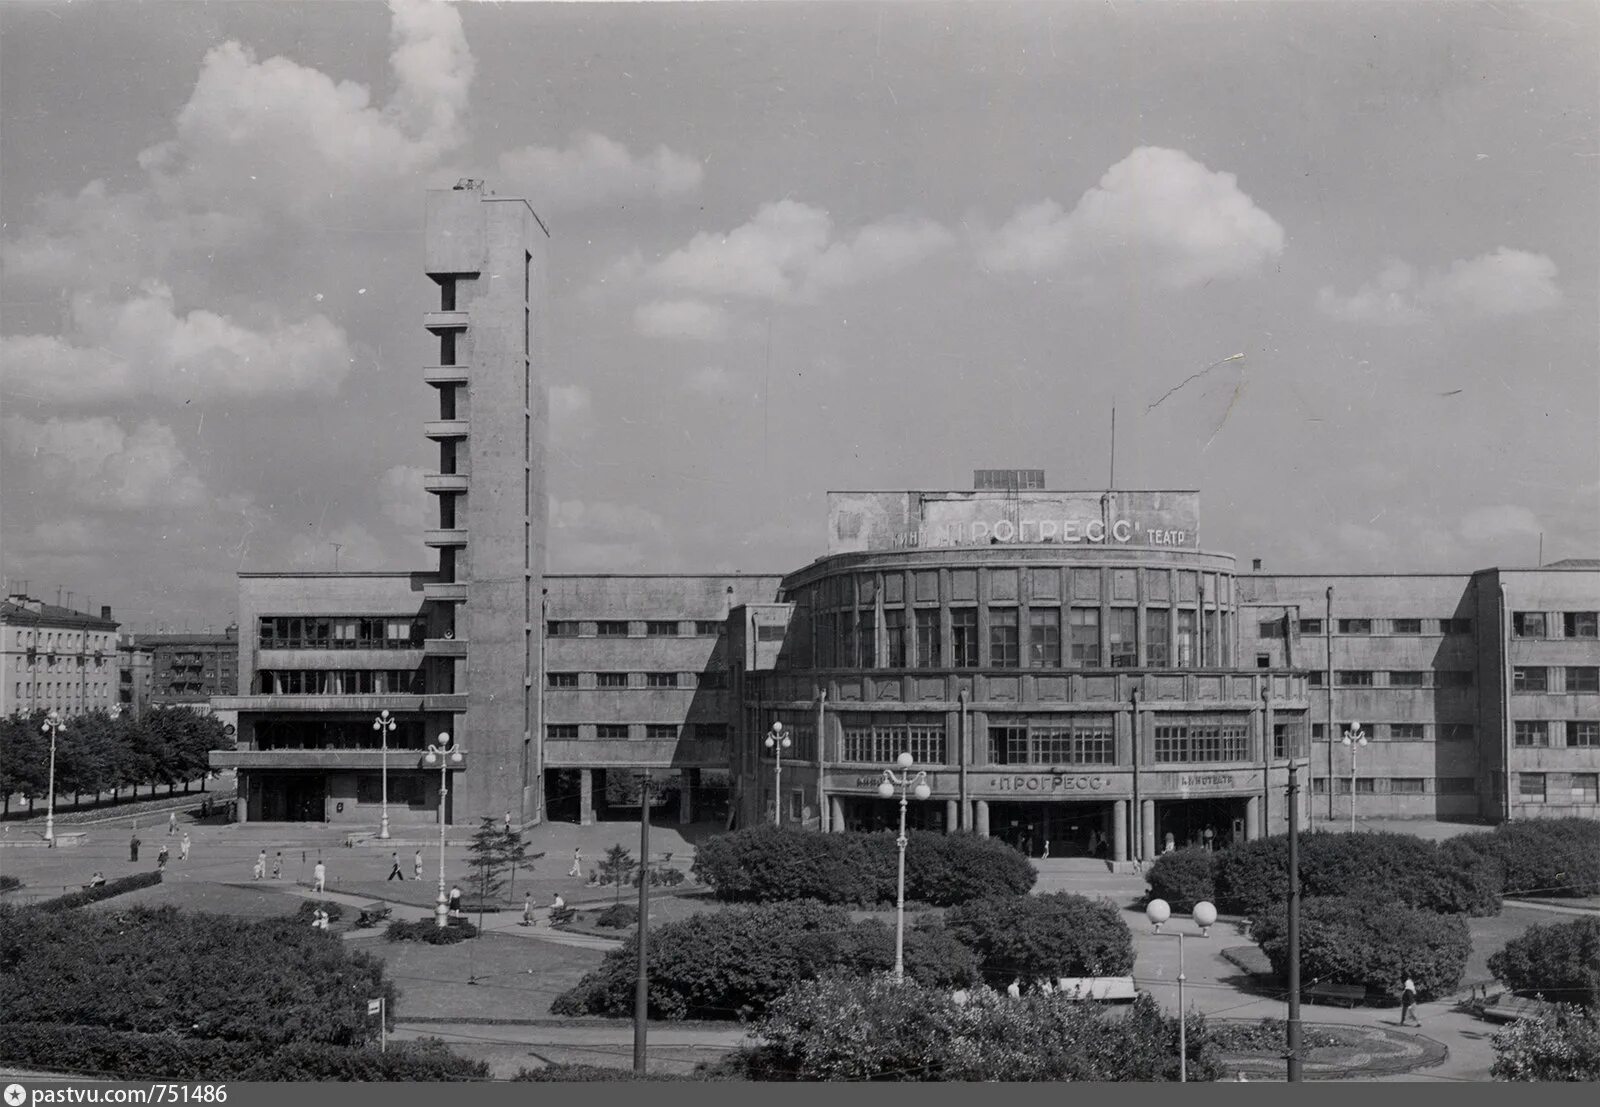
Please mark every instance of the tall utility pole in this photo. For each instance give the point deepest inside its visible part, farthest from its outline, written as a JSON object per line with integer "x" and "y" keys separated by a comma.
{"x": 641, "y": 987}
{"x": 1294, "y": 923}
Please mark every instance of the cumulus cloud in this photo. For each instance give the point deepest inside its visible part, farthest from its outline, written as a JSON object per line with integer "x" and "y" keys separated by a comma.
{"x": 144, "y": 347}
{"x": 402, "y": 499}
{"x": 1503, "y": 283}
{"x": 96, "y": 463}
{"x": 681, "y": 319}
{"x": 788, "y": 250}
{"x": 1179, "y": 221}
{"x": 596, "y": 171}
{"x": 600, "y": 537}
{"x": 358, "y": 549}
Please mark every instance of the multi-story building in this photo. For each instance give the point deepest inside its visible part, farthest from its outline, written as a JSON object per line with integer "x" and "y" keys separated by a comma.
{"x": 55, "y": 659}
{"x": 189, "y": 670}
{"x": 450, "y": 651}
{"x": 136, "y": 674}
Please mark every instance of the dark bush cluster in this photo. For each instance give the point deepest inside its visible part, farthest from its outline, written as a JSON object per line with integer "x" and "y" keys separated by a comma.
{"x": 426, "y": 930}
{"x": 1561, "y": 1044}
{"x": 1559, "y": 961}
{"x": 127, "y": 1055}
{"x": 1050, "y": 936}
{"x": 105, "y": 891}
{"x": 310, "y": 907}
{"x": 1370, "y": 943}
{"x": 1183, "y": 878}
{"x": 586, "y": 1074}
{"x": 769, "y": 864}
{"x": 9, "y": 882}
{"x": 1536, "y": 857}
{"x": 730, "y": 964}
{"x": 619, "y": 916}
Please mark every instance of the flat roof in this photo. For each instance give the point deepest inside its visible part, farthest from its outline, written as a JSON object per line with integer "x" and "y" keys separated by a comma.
{"x": 1015, "y": 491}
{"x": 344, "y": 573}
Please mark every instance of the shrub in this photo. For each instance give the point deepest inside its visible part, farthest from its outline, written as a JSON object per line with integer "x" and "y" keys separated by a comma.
{"x": 574, "y": 1074}
{"x": 310, "y": 907}
{"x": 132, "y": 1056}
{"x": 1050, "y": 936}
{"x": 1558, "y": 1045}
{"x": 1266, "y": 1036}
{"x": 9, "y": 883}
{"x": 561, "y": 916}
{"x": 1560, "y": 961}
{"x": 1183, "y": 878}
{"x": 107, "y": 890}
{"x": 1372, "y": 944}
{"x": 732, "y": 963}
{"x": 1540, "y": 857}
{"x": 427, "y": 930}
{"x": 769, "y": 864}
{"x": 846, "y": 1028}
{"x": 618, "y": 916}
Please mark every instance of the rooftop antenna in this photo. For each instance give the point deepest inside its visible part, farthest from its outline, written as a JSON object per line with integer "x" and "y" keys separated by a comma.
{"x": 1541, "y": 549}
{"x": 337, "y": 546}
{"x": 58, "y": 595}
{"x": 69, "y": 600}
{"x": 1113, "y": 483}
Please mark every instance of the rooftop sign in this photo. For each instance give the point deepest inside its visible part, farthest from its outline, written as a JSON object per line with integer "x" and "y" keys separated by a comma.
{"x": 867, "y": 521}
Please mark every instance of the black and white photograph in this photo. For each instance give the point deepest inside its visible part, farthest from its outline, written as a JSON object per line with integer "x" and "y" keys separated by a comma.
{"x": 797, "y": 541}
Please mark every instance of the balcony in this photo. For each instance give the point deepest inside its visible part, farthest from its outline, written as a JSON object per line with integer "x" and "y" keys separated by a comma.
{"x": 409, "y": 657}
{"x": 441, "y": 536}
{"x": 323, "y": 759}
{"x": 439, "y": 429}
{"x": 455, "y": 592}
{"x": 444, "y": 374}
{"x": 437, "y": 321}
{"x": 395, "y": 703}
{"x": 444, "y": 647}
{"x": 444, "y": 482}
{"x": 453, "y": 702}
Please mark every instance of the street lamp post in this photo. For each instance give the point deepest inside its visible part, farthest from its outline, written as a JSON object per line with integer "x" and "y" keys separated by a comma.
{"x": 1355, "y": 739}
{"x": 52, "y": 726}
{"x": 908, "y": 785}
{"x": 777, "y": 742}
{"x": 443, "y": 756}
{"x": 384, "y": 725}
{"x": 1204, "y": 915}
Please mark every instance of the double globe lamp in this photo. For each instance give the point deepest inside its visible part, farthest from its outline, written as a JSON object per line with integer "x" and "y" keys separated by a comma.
{"x": 1205, "y": 916}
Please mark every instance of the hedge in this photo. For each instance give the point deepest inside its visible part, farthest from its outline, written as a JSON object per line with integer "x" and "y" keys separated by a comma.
{"x": 1183, "y": 878}
{"x": 429, "y": 931}
{"x": 844, "y": 1028}
{"x": 1558, "y": 1045}
{"x": 769, "y": 864}
{"x": 311, "y": 907}
{"x": 125, "y": 1055}
{"x": 619, "y": 916}
{"x": 9, "y": 883}
{"x": 105, "y": 891}
{"x": 1559, "y": 961}
{"x": 1050, "y": 936}
{"x": 1537, "y": 857}
{"x": 730, "y": 964}
{"x": 1370, "y": 943}
{"x": 576, "y": 1074}
{"x": 1253, "y": 878}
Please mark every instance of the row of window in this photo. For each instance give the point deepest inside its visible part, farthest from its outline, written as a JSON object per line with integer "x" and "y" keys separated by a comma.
{"x": 705, "y": 732}
{"x": 1404, "y": 732}
{"x": 622, "y": 628}
{"x": 377, "y": 632}
{"x": 1075, "y": 740}
{"x": 338, "y": 682}
{"x": 1044, "y": 585}
{"x": 1274, "y": 628}
{"x": 65, "y": 639}
{"x": 1538, "y": 733}
{"x": 714, "y": 678}
{"x": 1392, "y": 678}
{"x": 1535, "y": 788}
{"x": 1537, "y": 678}
{"x": 1399, "y": 785}
{"x": 1543, "y": 624}
{"x": 56, "y": 663}
{"x": 57, "y": 689}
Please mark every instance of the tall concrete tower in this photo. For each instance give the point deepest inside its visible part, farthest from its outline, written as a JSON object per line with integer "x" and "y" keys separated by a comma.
{"x": 487, "y": 254}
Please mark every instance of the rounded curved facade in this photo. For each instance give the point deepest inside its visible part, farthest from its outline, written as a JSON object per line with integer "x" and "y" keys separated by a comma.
{"x": 1079, "y": 700}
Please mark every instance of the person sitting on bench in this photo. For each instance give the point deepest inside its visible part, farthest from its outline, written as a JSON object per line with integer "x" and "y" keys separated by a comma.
{"x": 95, "y": 881}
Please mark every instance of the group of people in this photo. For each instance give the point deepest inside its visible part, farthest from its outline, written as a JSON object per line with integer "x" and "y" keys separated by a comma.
{"x": 164, "y": 854}
{"x": 395, "y": 872}
{"x": 319, "y": 873}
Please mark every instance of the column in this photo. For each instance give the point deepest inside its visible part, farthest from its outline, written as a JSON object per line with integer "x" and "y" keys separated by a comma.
{"x": 1119, "y": 830}
{"x": 585, "y": 797}
{"x": 688, "y": 781}
{"x": 241, "y": 805}
{"x": 966, "y": 815}
{"x": 836, "y": 814}
{"x": 982, "y": 820}
{"x": 951, "y": 814}
{"x": 1147, "y": 829}
{"x": 1252, "y": 819}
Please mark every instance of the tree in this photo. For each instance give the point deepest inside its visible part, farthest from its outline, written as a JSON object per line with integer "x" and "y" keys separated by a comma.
{"x": 1046, "y": 936}
{"x": 1560, "y": 961}
{"x": 1376, "y": 944}
{"x": 488, "y": 852}
{"x": 617, "y": 867}
{"x": 1562, "y": 1044}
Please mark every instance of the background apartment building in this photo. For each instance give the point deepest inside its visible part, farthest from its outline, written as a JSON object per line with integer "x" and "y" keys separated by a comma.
{"x": 190, "y": 670}
{"x": 53, "y": 658}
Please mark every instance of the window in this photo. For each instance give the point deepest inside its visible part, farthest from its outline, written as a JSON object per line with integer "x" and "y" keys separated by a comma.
{"x": 1366, "y": 786}
{"x": 1530, "y": 787}
{"x": 611, "y": 730}
{"x": 1455, "y": 626}
{"x": 1085, "y": 633}
{"x": 1044, "y": 637}
{"x": 964, "y": 637}
{"x": 1122, "y": 636}
{"x": 612, "y": 628}
{"x": 1319, "y": 786}
{"x": 1271, "y": 628}
{"x": 881, "y": 739}
{"x": 1211, "y": 656}
{"x": 611, "y": 680}
{"x": 894, "y": 638}
{"x": 1528, "y": 624}
{"x": 927, "y": 621}
{"x": 561, "y": 680}
{"x": 661, "y": 680}
{"x": 1355, "y": 678}
{"x": 1457, "y": 732}
{"x": 1317, "y": 678}
{"x": 1532, "y": 732}
{"x": 1319, "y": 732}
{"x": 1405, "y": 678}
{"x": 1310, "y": 626}
{"x": 1003, "y": 647}
{"x": 1407, "y": 785}
{"x": 1452, "y": 678}
{"x": 1286, "y": 741}
{"x": 1052, "y": 740}
{"x": 771, "y": 632}
{"x": 1583, "y": 678}
{"x": 1406, "y": 732}
{"x": 661, "y": 731}
{"x": 1186, "y": 629}
{"x": 561, "y": 731}
{"x": 1530, "y": 678}
{"x": 1583, "y": 734}
{"x": 1158, "y": 631}
{"x": 1408, "y": 626}
{"x": 866, "y": 637}
{"x": 1583, "y": 787}
{"x": 1263, "y": 661}
{"x": 1580, "y": 624}
{"x": 661, "y": 628}
{"x": 708, "y": 628}
{"x": 1355, "y": 626}
{"x": 1202, "y": 740}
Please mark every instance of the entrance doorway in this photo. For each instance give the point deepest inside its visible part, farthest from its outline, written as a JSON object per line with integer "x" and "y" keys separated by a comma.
{"x": 1187, "y": 822}
{"x": 1070, "y": 829}
{"x": 293, "y": 798}
{"x": 872, "y": 814}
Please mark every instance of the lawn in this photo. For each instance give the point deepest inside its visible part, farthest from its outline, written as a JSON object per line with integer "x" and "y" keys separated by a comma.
{"x": 517, "y": 977}
{"x": 212, "y": 899}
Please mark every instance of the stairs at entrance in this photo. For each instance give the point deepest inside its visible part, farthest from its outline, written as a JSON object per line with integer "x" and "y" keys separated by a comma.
{"x": 1071, "y": 865}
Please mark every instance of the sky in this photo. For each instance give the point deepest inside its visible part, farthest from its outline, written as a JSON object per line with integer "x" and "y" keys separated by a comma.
{"x": 1334, "y": 265}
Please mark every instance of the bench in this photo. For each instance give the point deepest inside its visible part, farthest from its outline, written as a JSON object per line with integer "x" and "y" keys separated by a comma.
{"x": 372, "y": 914}
{"x": 1102, "y": 989}
{"x": 1351, "y": 995}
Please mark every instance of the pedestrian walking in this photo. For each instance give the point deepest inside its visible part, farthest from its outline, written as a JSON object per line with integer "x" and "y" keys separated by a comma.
{"x": 260, "y": 872}
{"x": 1408, "y": 1001}
{"x": 508, "y": 822}
{"x": 319, "y": 876}
{"x": 277, "y": 866}
{"x": 1210, "y": 838}
{"x": 133, "y": 847}
{"x": 161, "y": 858}
{"x": 527, "y": 910}
{"x": 394, "y": 868}
{"x": 577, "y": 863}
{"x": 416, "y": 866}
{"x": 455, "y": 901}
{"x": 1046, "y": 855}
{"x": 183, "y": 847}
{"x": 172, "y": 824}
